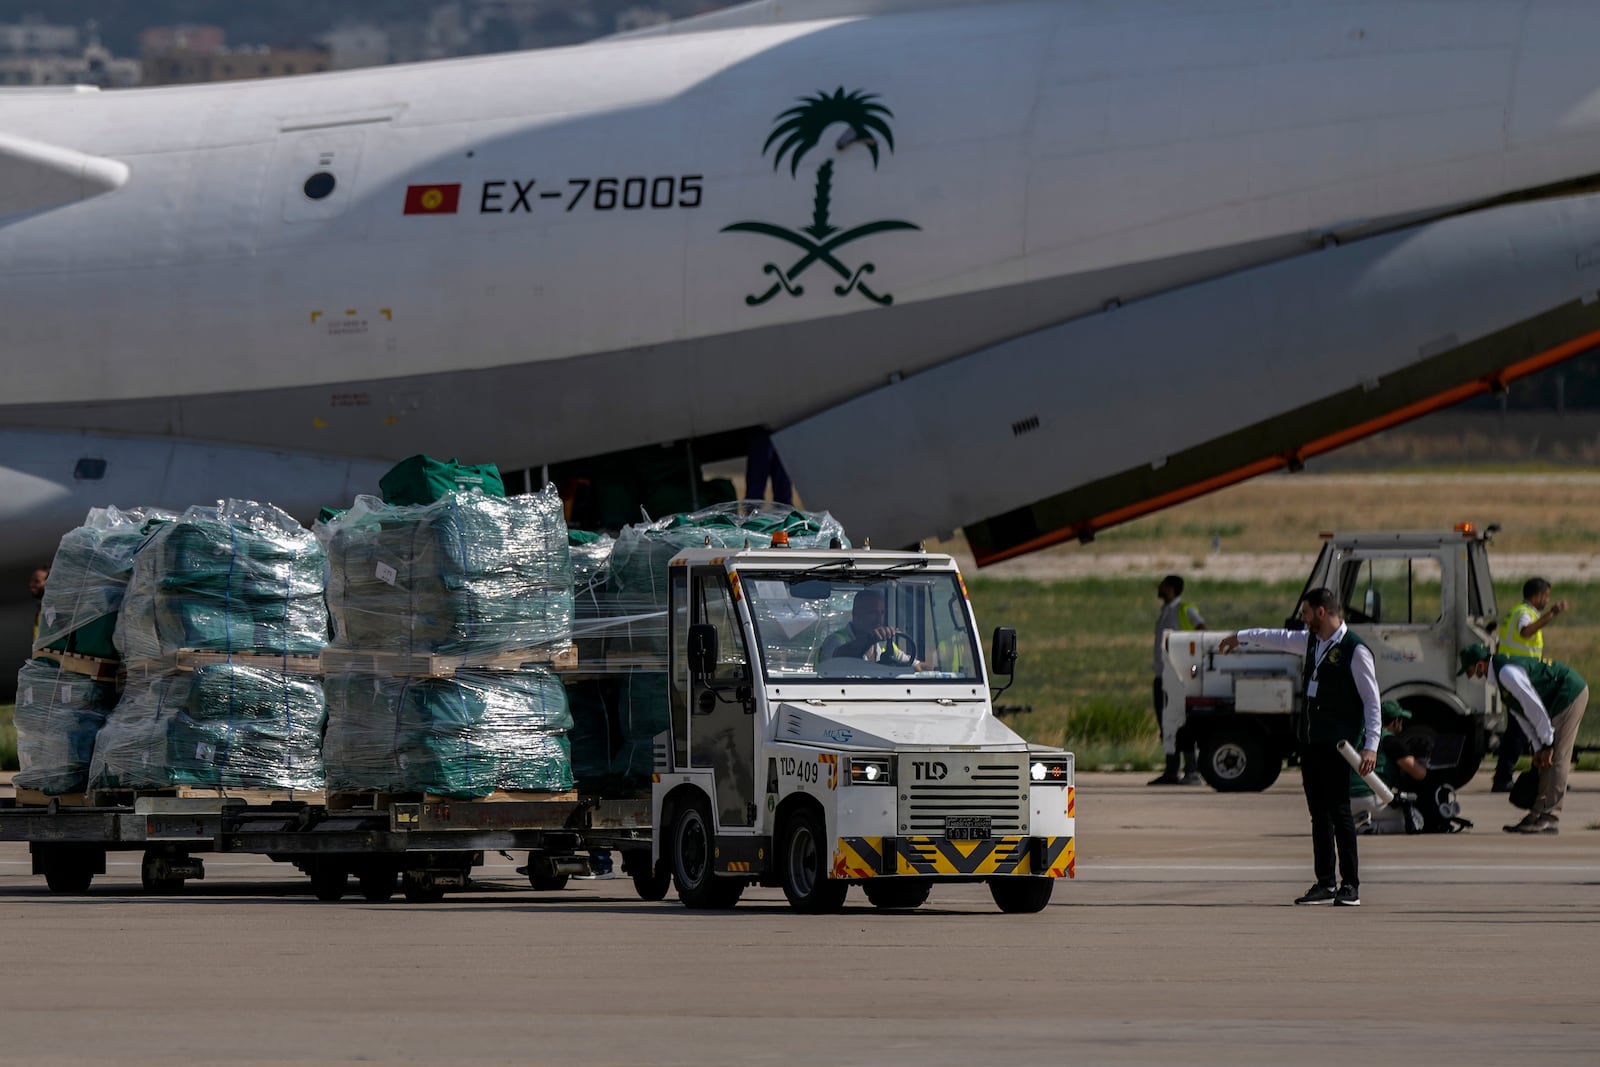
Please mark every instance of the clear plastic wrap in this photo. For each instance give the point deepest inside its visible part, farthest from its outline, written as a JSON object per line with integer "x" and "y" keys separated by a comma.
{"x": 88, "y": 579}
{"x": 461, "y": 737}
{"x": 467, "y": 575}
{"x": 223, "y": 726}
{"x": 614, "y": 725}
{"x": 58, "y": 716}
{"x": 633, "y": 601}
{"x": 240, "y": 577}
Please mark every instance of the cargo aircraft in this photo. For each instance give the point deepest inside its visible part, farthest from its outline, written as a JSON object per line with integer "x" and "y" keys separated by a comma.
{"x": 1024, "y": 269}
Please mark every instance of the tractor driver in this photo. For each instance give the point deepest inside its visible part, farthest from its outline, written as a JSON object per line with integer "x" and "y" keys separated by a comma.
{"x": 866, "y": 637}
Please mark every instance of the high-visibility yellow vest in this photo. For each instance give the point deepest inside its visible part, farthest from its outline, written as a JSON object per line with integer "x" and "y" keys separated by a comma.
{"x": 1512, "y": 643}
{"x": 1184, "y": 607}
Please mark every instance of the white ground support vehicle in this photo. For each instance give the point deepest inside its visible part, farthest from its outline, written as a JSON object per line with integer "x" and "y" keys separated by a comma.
{"x": 1415, "y": 598}
{"x": 806, "y": 754}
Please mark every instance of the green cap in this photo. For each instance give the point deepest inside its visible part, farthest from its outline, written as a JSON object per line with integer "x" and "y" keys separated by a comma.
{"x": 1472, "y": 654}
{"x": 1392, "y": 710}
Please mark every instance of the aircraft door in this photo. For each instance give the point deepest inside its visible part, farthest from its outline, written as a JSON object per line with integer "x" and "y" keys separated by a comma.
{"x": 722, "y": 720}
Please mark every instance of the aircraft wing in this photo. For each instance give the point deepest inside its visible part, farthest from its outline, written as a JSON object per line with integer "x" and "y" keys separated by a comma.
{"x": 1057, "y": 434}
{"x": 36, "y": 176}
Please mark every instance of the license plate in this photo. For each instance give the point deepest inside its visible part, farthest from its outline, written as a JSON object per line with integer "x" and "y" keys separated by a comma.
{"x": 966, "y": 827}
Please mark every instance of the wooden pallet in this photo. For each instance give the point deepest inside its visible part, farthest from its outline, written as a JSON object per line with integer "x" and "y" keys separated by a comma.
{"x": 125, "y": 798}
{"x": 436, "y": 665}
{"x": 93, "y": 668}
{"x": 189, "y": 659}
{"x": 377, "y": 801}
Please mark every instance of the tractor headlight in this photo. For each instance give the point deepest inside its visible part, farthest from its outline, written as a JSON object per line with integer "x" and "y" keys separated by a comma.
{"x": 1051, "y": 770}
{"x": 871, "y": 770}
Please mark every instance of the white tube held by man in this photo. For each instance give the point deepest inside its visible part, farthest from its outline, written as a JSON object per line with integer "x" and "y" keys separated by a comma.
{"x": 1379, "y": 788}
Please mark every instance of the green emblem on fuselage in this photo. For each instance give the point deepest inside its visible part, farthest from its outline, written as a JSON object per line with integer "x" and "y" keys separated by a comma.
{"x": 799, "y": 130}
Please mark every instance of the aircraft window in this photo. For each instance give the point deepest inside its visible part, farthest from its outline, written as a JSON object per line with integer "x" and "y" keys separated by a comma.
{"x": 89, "y": 470}
{"x": 320, "y": 185}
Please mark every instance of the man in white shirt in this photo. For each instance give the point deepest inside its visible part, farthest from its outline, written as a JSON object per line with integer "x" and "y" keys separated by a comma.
{"x": 1549, "y": 700}
{"x": 1340, "y": 689}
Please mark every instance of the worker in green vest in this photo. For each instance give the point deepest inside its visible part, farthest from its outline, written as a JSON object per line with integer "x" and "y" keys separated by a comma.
{"x": 1176, "y": 614}
{"x": 1522, "y": 634}
{"x": 1548, "y": 699}
{"x": 1402, "y": 763}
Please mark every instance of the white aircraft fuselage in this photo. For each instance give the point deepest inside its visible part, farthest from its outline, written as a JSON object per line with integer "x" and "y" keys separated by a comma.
{"x": 967, "y": 261}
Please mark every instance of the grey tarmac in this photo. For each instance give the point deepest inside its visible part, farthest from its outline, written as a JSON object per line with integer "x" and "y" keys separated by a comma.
{"x": 1176, "y": 943}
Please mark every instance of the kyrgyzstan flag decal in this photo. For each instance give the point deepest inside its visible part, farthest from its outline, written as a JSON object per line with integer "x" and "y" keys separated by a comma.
{"x": 433, "y": 199}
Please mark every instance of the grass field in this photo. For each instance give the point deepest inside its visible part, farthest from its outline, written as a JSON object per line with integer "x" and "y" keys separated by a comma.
{"x": 1085, "y": 645}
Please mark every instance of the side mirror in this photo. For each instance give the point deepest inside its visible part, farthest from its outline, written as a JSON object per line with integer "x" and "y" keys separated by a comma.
{"x": 1003, "y": 655}
{"x": 702, "y": 650}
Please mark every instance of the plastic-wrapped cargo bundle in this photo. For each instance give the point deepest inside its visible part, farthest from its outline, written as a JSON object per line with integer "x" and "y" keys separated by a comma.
{"x": 58, "y": 716}
{"x": 88, "y": 579}
{"x": 636, "y": 593}
{"x": 467, "y": 575}
{"x": 461, "y": 737}
{"x": 224, "y": 726}
{"x": 241, "y": 577}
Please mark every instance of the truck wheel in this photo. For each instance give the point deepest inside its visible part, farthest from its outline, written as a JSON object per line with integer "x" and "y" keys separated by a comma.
{"x": 328, "y": 881}
{"x": 1237, "y": 760}
{"x": 1021, "y": 895}
{"x": 420, "y": 888}
{"x": 897, "y": 894}
{"x": 650, "y": 882}
{"x": 151, "y": 871}
{"x": 540, "y": 876}
{"x": 378, "y": 885}
{"x": 693, "y": 861}
{"x": 68, "y": 876}
{"x": 806, "y": 880}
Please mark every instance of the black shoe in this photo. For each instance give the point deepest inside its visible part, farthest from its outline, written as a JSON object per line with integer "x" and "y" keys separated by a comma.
{"x": 1166, "y": 779}
{"x": 1500, "y": 787}
{"x": 1191, "y": 778}
{"x": 1348, "y": 896}
{"x": 1317, "y": 894}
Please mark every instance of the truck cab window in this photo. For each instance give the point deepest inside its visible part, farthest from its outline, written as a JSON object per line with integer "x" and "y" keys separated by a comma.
{"x": 1392, "y": 590}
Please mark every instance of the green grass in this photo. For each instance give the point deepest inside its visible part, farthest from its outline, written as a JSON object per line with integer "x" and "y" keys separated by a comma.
{"x": 1084, "y": 653}
{"x": 8, "y": 738}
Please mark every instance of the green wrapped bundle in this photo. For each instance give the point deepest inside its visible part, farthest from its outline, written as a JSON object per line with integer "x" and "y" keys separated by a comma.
{"x": 461, "y": 737}
{"x": 469, "y": 574}
{"x": 88, "y": 579}
{"x": 222, "y": 726}
{"x": 644, "y": 713}
{"x": 423, "y": 480}
{"x": 241, "y": 577}
{"x": 591, "y": 703}
{"x": 58, "y": 716}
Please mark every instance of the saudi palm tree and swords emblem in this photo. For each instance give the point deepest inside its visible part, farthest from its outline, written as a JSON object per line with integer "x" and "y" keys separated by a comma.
{"x": 799, "y": 130}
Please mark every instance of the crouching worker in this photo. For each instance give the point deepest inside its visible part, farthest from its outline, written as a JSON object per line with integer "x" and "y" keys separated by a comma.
{"x": 1403, "y": 766}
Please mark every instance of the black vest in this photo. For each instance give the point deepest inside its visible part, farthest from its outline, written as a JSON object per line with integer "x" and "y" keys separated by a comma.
{"x": 1335, "y": 713}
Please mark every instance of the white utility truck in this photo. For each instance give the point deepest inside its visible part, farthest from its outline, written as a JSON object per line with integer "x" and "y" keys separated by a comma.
{"x": 1415, "y": 597}
{"x": 831, "y": 725}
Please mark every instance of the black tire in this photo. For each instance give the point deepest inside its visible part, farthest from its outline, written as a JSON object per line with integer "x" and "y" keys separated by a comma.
{"x": 1238, "y": 759}
{"x": 1021, "y": 895}
{"x": 651, "y": 883}
{"x": 897, "y": 894}
{"x": 328, "y": 881}
{"x": 378, "y": 885}
{"x": 149, "y": 878}
{"x": 540, "y": 877}
{"x": 803, "y": 860}
{"x": 1432, "y": 720}
{"x": 694, "y": 846}
{"x": 420, "y": 888}
{"x": 68, "y": 876}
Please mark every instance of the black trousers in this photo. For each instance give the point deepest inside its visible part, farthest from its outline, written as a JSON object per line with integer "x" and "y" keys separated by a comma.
{"x": 1326, "y": 778}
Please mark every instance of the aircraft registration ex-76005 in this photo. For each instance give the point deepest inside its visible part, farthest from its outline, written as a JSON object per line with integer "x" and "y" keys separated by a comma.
{"x": 1025, "y": 269}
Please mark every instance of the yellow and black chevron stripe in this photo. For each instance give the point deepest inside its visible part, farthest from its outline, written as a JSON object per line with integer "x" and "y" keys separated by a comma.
{"x": 864, "y": 857}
